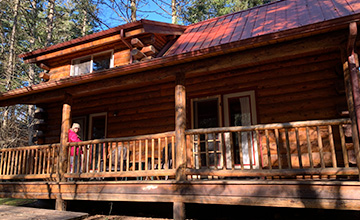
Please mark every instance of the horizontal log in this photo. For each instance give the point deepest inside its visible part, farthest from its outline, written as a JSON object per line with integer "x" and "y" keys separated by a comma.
{"x": 269, "y": 126}
{"x": 137, "y": 54}
{"x": 137, "y": 173}
{"x": 44, "y": 75}
{"x": 274, "y": 172}
{"x": 149, "y": 50}
{"x": 139, "y": 137}
{"x": 137, "y": 43}
{"x": 27, "y": 176}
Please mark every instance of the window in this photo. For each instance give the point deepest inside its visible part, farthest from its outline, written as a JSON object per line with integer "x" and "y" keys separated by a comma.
{"x": 238, "y": 109}
{"x": 95, "y": 62}
{"x": 97, "y": 126}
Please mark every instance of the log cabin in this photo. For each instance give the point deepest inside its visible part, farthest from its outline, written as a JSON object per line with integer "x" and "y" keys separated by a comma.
{"x": 260, "y": 107}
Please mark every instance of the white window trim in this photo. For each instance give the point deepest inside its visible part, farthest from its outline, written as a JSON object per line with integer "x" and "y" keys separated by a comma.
{"x": 91, "y": 60}
{"x": 91, "y": 116}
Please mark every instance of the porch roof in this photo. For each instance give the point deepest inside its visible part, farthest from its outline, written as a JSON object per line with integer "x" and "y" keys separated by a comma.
{"x": 263, "y": 25}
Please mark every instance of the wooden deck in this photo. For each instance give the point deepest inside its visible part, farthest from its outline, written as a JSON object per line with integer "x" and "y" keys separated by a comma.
{"x": 25, "y": 213}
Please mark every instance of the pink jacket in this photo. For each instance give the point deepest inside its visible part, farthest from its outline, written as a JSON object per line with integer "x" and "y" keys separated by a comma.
{"x": 73, "y": 137}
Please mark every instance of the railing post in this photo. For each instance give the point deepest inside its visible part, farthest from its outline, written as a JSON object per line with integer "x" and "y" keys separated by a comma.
{"x": 351, "y": 78}
{"x": 180, "y": 126}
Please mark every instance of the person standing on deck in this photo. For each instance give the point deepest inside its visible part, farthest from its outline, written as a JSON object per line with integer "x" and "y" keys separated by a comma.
{"x": 74, "y": 137}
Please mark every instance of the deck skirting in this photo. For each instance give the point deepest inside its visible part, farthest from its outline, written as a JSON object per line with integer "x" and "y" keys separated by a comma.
{"x": 297, "y": 194}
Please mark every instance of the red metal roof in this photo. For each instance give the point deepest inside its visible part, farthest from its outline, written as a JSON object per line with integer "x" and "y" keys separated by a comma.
{"x": 266, "y": 19}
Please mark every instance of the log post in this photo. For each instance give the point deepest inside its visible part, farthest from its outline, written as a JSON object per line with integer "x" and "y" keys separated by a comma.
{"x": 350, "y": 68}
{"x": 65, "y": 126}
{"x": 179, "y": 211}
{"x": 180, "y": 126}
{"x": 60, "y": 204}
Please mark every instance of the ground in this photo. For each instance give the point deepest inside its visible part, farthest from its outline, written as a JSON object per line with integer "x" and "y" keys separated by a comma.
{"x": 162, "y": 211}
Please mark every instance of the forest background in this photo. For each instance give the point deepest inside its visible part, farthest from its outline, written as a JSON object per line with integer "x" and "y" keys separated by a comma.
{"x": 27, "y": 25}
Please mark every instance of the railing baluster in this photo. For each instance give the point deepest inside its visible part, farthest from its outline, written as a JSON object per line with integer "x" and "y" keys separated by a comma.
{"x": 249, "y": 138}
{"x": 44, "y": 161}
{"x": 232, "y": 149}
{"x": 133, "y": 155}
{"x": 93, "y": 157}
{"x": 298, "y": 147}
{"x": 199, "y": 150}
{"x": 2, "y": 162}
{"x": 152, "y": 153}
{"x": 123, "y": 151}
{"x": 268, "y": 148}
{"x": 223, "y": 150}
{"x": 215, "y": 151}
{"x": 116, "y": 162}
{"x": 258, "y": 149}
{"x": 320, "y": 145}
{"x": 343, "y": 147}
{"x": 288, "y": 153}
{"x": 146, "y": 154}
{"x": 10, "y": 165}
{"x": 241, "y": 157}
{"x": 159, "y": 153}
{"x": 207, "y": 150}
{"x": 309, "y": 148}
{"x": 332, "y": 146}
{"x": 278, "y": 147}
{"x": 173, "y": 151}
{"x": 140, "y": 155}
{"x": 128, "y": 156}
{"x": 166, "y": 165}
{"x": 48, "y": 150}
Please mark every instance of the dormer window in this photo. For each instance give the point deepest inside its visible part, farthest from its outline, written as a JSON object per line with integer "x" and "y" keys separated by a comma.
{"x": 91, "y": 63}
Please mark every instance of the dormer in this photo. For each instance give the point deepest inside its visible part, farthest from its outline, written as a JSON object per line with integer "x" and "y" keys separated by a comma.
{"x": 122, "y": 45}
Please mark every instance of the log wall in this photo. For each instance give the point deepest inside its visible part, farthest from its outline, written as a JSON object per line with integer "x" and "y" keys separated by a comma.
{"x": 306, "y": 88}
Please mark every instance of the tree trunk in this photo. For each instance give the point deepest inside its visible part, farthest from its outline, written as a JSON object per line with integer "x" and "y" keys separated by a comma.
{"x": 173, "y": 12}
{"x": 50, "y": 22}
{"x": 133, "y": 10}
{"x": 83, "y": 30}
{"x": 9, "y": 72}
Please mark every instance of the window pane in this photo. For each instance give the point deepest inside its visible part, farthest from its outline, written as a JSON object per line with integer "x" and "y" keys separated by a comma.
{"x": 101, "y": 61}
{"x": 206, "y": 113}
{"x": 82, "y": 66}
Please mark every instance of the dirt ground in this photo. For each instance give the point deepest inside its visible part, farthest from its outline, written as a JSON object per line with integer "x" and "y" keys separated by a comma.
{"x": 161, "y": 211}
{"x": 119, "y": 217}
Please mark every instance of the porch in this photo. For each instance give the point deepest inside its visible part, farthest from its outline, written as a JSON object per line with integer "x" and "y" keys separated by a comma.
{"x": 297, "y": 164}
{"x": 317, "y": 149}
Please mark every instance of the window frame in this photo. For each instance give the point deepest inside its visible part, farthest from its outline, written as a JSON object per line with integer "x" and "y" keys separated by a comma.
{"x": 72, "y": 70}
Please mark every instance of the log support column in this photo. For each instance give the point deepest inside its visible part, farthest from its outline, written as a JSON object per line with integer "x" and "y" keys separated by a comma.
{"x": 180, "y": 126}
{"x": 179, "y": 211}
{"x": 63, "y": 160}
{"x": 351, "y": 78}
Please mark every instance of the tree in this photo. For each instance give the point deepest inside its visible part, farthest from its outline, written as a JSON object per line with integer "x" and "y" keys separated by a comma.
{"x": 26, "y": 26}
{"x": 199, "y": 10}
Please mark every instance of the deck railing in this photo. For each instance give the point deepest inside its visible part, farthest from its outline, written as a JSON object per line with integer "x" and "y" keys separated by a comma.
{"x": 145, "y": 156}
{"x": 32, "y": 162}
{"x": 308, "y": 149}
{"x": 284, "y": 150}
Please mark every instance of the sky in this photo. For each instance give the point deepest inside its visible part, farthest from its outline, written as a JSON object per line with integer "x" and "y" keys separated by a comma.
{"x": 149, "y": 13}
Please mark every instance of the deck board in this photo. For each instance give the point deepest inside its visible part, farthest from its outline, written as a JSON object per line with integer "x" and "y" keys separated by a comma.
{"x": 25, "y": 213}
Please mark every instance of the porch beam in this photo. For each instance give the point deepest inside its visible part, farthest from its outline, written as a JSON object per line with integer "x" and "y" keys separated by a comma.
{"x": 351, "y": 78}
{"x": 180, "y": 126}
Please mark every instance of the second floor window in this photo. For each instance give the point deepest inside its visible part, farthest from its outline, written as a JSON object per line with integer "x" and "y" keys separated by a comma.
{"x": 91, "y": 63}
